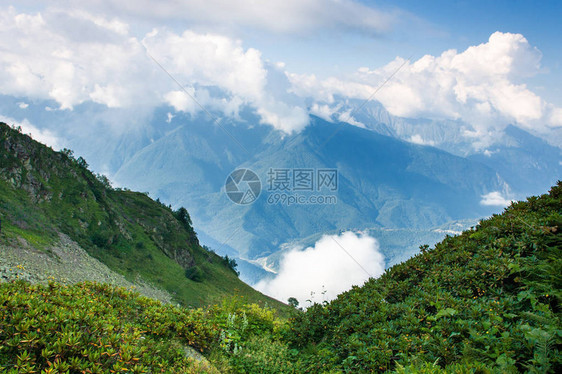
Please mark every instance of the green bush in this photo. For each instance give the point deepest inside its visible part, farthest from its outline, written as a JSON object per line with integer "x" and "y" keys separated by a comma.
{"x": 95, "y": 328}
{"x": 264, "y": 354}
{"x": 194, "y": 273}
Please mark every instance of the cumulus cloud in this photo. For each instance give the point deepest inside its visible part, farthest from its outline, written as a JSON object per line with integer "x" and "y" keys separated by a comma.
{"x": 556, "y": 116}
{"x": 212, "y": 60}
{"x": 481, "y": 86}
{"x": 495, "y": 198}
{"x": 326, "y": 270}
{"x": 218, "y": 61}
{"x": 72, "y": 57}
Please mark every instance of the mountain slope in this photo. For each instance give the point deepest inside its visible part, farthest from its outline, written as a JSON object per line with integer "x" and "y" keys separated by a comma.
{"x": 527, "y": 163}
{"x": 185, "y": 158}
{"x": 47, "y": 198}
{"x": 489, "y": 298}
{"x": 487, "y": 301}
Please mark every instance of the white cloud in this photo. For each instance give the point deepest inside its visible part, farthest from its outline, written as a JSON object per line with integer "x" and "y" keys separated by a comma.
{"x": 283, "y": 116}
{"x": 323, "y": 111}
{"x": 489, "y": 153}
{"x": 336, "y": 112}
{"x": 326, "y": 267}
{"x": 481, "y": 86}
{"x": 210, "y": 60}
{"x": 556, "y": 116}
{"x": 218, "y": 61}
{"x": 72, "y": 57}
{"x": 495, "y": 198}
{"x": 23, "y": 105}
{"x": 417, "y": 139}
{"x": 181, "y": 101}
{"x": 41, "y": 135}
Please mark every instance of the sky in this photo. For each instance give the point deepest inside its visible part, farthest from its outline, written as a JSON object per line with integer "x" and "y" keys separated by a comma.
{"x": 489, "y": 64}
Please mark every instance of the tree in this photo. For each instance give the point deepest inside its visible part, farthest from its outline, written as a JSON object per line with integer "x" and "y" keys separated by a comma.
{"x": 293, "y": 302}
{"x": 68, "y": 153}
{"x": 232, "y": 264}
{"x": 82, "y": 162}
{"x": 183, "y": 216}
{"x": 104, "y": 180}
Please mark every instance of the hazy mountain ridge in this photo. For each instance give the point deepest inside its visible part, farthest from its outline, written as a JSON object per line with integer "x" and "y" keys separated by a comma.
{"x": 189, "y": 165}
{"x": 184, "y": 160}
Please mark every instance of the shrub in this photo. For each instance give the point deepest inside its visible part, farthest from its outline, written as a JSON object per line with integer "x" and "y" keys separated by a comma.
{"x": 194, "y": 273}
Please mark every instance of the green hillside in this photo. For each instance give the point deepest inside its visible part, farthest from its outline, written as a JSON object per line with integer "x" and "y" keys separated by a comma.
{"x": 50, "y": 200}
{"x": 487, "y": 299}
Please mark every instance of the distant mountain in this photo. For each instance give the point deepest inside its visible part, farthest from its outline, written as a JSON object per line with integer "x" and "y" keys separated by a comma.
{"x": 382, "y": 181}
{"x": 60, "y": 221}
{"x": 527, "y": 163}
{"x": 444, "y": 134}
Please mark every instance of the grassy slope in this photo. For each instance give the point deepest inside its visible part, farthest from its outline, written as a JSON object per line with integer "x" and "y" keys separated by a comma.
{"x": 487, "y": 298}
{"x": 44, "y": 193}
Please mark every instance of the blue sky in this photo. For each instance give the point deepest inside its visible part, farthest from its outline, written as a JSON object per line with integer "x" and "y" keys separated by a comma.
{"x": 429, "y": 27}
{"x": 470, "y": 22}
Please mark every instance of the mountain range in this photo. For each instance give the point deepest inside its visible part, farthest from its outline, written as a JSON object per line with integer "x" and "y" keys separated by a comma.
{"x": 406, "y": 176}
